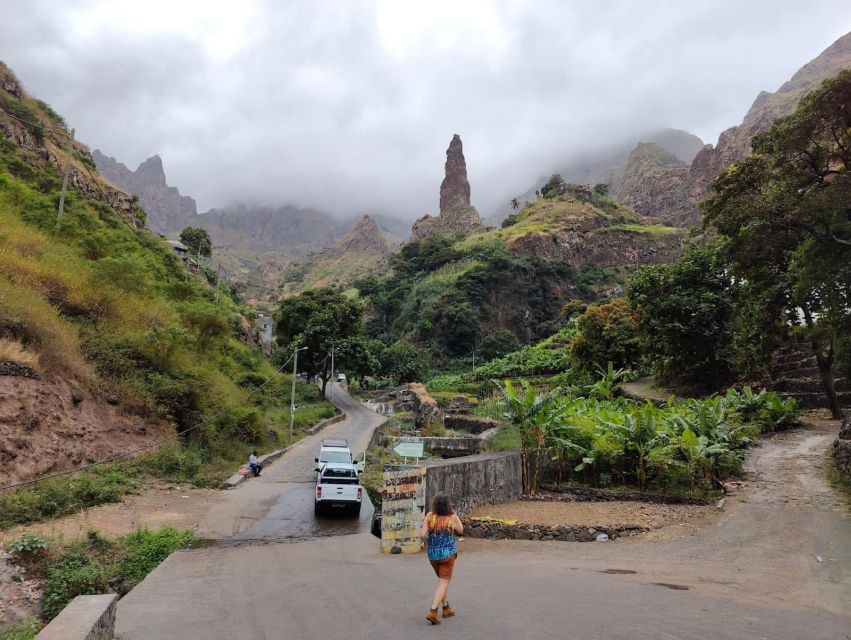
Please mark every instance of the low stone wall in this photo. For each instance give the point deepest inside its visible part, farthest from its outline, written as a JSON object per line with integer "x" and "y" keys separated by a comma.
{"x": 470, "y": 423}
{"x": 425, "y": 407}
{"x": 472, "y": 481}
{"x": 85, "y": 618}
{"x": 590, "y": 494}
{"x": 14, "y": 369}
{"x": 447, "y": 446}
{"x": 498, "y": 530}
{"x": 842, "y": 451}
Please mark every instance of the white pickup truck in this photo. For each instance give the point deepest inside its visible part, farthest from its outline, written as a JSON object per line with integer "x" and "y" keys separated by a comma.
{"x": 338, "y": 487}
{"x": 336, "y": 451}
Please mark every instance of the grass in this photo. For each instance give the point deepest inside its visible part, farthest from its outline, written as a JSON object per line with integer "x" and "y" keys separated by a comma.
{"x": 111, "y": 307}
{"x": 14, "y": 351}
{"x": 650, "y": 229}
{"x": 24, "y": 629}
{"x": 97, "y": 564}
{"x": 506, "y": 439}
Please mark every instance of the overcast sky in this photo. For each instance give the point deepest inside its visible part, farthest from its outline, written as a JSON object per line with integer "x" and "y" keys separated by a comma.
{"x": 349, "y": 106}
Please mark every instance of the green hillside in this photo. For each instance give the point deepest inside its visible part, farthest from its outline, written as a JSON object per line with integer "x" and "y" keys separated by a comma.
{"x": 105, "y": 306}
{"x": 510, "y": 285}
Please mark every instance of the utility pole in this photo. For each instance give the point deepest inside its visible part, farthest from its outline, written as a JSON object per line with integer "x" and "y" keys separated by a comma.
{"x": 292, "y": 396}
{"x": 332, "y": 375}
{"x": 65, "y": 179}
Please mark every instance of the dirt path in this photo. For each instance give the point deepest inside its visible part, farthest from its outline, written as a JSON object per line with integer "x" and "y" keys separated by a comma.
{"x": 158, "y": 504}
{"x": 588, "y": 514}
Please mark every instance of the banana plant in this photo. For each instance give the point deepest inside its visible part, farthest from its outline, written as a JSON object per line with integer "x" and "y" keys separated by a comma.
{"x": 527, "y": 410}
{"x": 699, "y": 455}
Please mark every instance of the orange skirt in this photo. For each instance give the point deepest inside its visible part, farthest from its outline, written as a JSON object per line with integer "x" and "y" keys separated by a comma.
{"x": 443, "y": 568}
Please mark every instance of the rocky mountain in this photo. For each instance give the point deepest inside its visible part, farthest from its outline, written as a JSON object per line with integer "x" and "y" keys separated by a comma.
{"x": 673, "y": 195}
{"x": 456, "y": 214}
{"x": 361, "y": 251}
{"x": 167, "y": 210}
{"x": 654, "y": 180}
{"x": 605, "y": 163}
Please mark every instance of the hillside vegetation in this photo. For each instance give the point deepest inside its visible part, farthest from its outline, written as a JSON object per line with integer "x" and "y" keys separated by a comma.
{"x": 105, "y": 310}
{"x": 510, "y": 285}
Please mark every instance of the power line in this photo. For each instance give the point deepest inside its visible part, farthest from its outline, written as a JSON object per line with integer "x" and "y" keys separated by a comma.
{"x": 35, "y": 124}
{"x": 103, "y": 193}
{"x": 130, "y": 454}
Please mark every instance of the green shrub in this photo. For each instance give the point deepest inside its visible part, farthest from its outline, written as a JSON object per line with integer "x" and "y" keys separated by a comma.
{"x": 147, "y": 549}
{"x": 29, "y": 546}
{"x": 25, "y": 629}
{"x": 607, "y": 333}
{"x": 72, "y": 574}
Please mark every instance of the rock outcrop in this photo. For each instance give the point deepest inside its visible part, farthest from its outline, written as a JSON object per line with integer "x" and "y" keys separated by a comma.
{"x": 47, "y": 141}
{"x": 456, "y": 213}
{"x": 685, "y": 189}
{"x": 359, "y": 252}
{"x": 168, "y": 211}
{"x": 607, "y": 163}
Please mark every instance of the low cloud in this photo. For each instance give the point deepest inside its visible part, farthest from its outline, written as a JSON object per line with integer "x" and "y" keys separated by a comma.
{"x": 350, "y": 106}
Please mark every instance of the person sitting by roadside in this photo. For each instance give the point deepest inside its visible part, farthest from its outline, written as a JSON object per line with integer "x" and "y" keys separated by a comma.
{"x": 253, "y": 465}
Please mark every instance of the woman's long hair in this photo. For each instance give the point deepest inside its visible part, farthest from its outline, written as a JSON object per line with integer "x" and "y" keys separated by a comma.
{"x": 440, "y": 505}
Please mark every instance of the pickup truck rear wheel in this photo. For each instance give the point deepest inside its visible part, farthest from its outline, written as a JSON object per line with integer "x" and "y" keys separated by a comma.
{"x": 356, "y": 510}
{"x": 317, "y": 509}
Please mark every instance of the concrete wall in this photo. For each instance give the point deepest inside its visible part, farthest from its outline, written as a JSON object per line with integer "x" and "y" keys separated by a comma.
{"x": 472, "y": 481}
{"x": 446, "y": 446}
{"x": 85, "y": 618}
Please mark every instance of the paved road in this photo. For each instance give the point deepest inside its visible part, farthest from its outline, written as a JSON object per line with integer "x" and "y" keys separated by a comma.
{"x": 753, "y": 575}
{"x": 278, "y": 506}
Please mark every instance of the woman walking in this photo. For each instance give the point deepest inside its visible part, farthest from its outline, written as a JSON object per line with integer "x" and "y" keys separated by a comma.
{"x": 440, "y": 527}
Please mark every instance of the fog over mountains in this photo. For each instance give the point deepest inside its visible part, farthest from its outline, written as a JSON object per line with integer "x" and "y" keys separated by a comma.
{"x": 348, "y": 109}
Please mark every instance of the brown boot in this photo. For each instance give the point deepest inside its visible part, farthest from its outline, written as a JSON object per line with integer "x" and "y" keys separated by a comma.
{"x": 448, "y": 611}
{"x": 431, "y": 616}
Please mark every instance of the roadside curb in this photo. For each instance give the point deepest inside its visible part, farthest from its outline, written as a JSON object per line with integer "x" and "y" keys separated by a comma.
{"x": 237, "y": 479}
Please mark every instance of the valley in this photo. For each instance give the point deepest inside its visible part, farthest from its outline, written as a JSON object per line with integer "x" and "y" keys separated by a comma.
{"x": 631, "y": 379}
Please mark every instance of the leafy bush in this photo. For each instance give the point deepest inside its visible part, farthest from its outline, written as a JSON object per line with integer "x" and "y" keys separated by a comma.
{"x": 72, "y": 574}
{"x": 61, "y": 496}
{"x": 147, "y": 549}
{"x": 607, "y": 333}
{"x": 28, "y": 546}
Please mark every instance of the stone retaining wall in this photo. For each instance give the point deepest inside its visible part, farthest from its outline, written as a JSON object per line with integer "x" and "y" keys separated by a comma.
{"x": 14, "y": 369}
{"x": 498, "y": 530}
{"x": 426, "y": 410}
{"x": 590, "y": 494}
{"x": 473, "y": 481}
{"x": 470, "y": 423}
{"x": 446, "y": 446}
{"x": 85, "y": 618}
{"x": 842, "y": 451}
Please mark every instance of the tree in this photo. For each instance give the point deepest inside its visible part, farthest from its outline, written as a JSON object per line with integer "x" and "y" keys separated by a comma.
{"x": 497, "y": 344}
{"x": 601, "y": 189}
{"x": 687, "y": 313}
{"x": 785, "y": 214}
{"x": 554, "y": 187}
{"x": 608, "y": 332}
{"x": 402, "y": 363}
{"x": 322, "y": 319}
{"x": 515, "y": 204}
{"x": 197, "y": 240}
